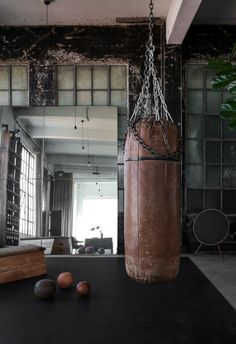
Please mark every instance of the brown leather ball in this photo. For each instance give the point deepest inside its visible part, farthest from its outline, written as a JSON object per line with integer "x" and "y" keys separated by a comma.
{"x": 65, "y": 279}
{"x": 83, "y": 288}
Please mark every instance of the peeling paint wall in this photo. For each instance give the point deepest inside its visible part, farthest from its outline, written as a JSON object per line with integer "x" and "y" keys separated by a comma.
{"x": 45, "y": 47}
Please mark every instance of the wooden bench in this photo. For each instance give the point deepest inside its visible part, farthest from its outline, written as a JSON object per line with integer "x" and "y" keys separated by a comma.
{"x": 19, "y": 262}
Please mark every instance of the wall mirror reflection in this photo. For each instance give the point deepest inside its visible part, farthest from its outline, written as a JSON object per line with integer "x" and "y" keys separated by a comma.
{"x": 59, "y": 164}
{"x": 59, "y": 168}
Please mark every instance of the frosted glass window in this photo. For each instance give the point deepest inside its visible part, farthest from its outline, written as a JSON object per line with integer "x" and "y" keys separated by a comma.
{"x": 119, "y": 98}
{"x": 100, "y": 77}
{"x": 194, "y": 126}
{"x": 227, "y": 133}
{"x": 14, "y": 85}
{"x": 194, "y": 154}
{"x": 212, "y": 199}
{"x": 84, "y": 77}
{"x": 209, "y": 76}
{"x": 19, "y": 78}
{"x": 100, "y": 98}
{"x": 4, "y": 78}
{"x": 210, "y": 147}
{"x": 84, "y": 98}
{"x": 213, "y": 152}
{"x": 194, "y": 176}
{"x": 212, "y": 126}
{"x": 229, "y": 152}
{"x": 95, "y": 85}
{"x": 213, "y": 176}
{"x": 66, "y": 77}
{"x": 118, "y": 77}
{"x": 65, "y": 97}
{"x": 195, "y": 102}
{"x": 229, "y": 177}
{"x": 195, "y": 76}
{"x": 4, "y": 98}
{"x": 214, "y": 100}
{"x": 19, "y": 98}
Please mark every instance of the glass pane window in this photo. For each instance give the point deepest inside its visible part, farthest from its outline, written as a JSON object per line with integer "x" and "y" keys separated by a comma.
{"x": 4, "y": 78}
{"x": 14, "y": 86}
{"x": 27, "y": 193}
{"x": 210, "y": 147}
{"x": 194, "y": 126}
{"x": 195, "y": 76}
{"x": 214, "y": 99}
{"x": 104, "y": 85}
{"x": 100, "y": 78}
{"x": 65, "y": 78}
{"x": 195, "y": 102}
{"x": 212, "y": 126}
{"x": 84, "y": 78}
{"x": 213, "y": 152}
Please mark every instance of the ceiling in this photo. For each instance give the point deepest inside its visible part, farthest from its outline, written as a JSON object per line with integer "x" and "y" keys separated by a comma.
{"x": 76, "y": 12}
{"x": 105, "y": 12}
{"x": 70, "y": 149}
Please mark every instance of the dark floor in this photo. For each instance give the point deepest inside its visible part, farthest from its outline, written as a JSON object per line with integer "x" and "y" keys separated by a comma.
{"x": 119, "y": 310}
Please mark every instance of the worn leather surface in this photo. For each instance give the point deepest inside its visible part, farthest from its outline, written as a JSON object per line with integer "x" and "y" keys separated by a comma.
{"x": 152, "y": 134}
{"x": 152, "y": 209}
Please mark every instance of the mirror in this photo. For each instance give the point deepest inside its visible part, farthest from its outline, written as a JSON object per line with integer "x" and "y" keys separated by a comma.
{"x": 59, "y": 176}
{"x": 68, "y": 176}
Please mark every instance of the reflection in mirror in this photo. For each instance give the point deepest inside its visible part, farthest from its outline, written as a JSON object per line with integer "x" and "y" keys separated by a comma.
{"x": 65, "y": 178}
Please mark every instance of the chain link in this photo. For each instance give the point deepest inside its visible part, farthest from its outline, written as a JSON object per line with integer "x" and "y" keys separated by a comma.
{"x": 151, "y": 102}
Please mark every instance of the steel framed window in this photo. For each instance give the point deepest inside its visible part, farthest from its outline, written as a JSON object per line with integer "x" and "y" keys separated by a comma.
{"x": 93, "y": 85}
{"x": 210, "y": 147}
{"x": 14, "y": 85}
{"x": 27, "y": 193}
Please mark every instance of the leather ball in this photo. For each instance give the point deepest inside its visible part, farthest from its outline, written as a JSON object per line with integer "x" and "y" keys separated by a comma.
{"x": 45, "y": 288}
{"x": 83, "y": 288}
{"x": 65, "y": 279}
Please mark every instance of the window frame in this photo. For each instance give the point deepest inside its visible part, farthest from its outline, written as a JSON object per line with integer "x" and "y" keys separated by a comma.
{"x": 10, "y": 89}
{"x": 28, "y": 192}
{"x": 205, "y": 189}
{"x": 109, "y": 89}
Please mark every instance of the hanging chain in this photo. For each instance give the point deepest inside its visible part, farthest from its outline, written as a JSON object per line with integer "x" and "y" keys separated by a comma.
{"x": 168, "y": 156}
{"x": 151, "y": 102}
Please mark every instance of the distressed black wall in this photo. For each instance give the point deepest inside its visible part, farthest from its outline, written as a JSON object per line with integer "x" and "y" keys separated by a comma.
{"x": 45, "y": 47}
{"x": 205, "y": 41}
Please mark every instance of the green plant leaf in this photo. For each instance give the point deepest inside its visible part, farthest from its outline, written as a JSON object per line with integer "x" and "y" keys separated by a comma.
{"x": 219, "y": 65}
{"x": 221, "y": 80}
{"x": 228, "y": 109}
{"x": 228, "y": 112}
{"x": 232, "y": 87}
{"x": 233, "y": 52}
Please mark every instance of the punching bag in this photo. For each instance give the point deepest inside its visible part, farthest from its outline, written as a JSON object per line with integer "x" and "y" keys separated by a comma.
{"x": 152, "y": 202}
{"x": 152, "y": 182}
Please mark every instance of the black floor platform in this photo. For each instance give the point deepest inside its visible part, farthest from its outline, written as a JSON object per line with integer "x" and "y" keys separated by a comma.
{"x": 187, "y": 311}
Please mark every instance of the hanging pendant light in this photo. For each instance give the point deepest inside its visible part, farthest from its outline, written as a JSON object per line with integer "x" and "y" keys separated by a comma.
{"x": 75, "y": 118}
{"x": 82, "y": 125}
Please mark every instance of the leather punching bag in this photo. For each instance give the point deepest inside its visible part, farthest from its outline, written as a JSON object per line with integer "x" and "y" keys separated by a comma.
{"x": 152, "y": 201}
